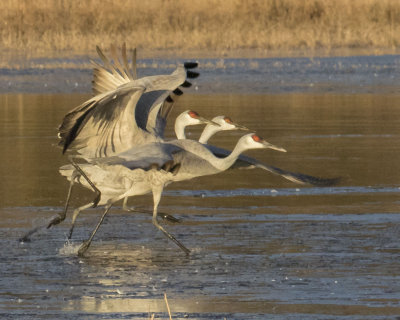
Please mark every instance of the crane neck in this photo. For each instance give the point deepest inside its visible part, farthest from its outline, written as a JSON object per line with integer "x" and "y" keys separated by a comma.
{"x": 180, "y": 129}
{"x": 208, "y": 132}
{"x": 225, "y": 163}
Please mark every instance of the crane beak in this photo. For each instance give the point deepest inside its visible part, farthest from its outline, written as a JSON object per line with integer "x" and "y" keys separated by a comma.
{"x": 204, "y": 120}
{"x": 273, "y": 147}
{"x": 240, "y": 127}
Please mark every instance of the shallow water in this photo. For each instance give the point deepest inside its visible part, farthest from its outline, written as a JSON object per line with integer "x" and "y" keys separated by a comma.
{"x": 262, "y": 247}
{"x": 342, "y": 74}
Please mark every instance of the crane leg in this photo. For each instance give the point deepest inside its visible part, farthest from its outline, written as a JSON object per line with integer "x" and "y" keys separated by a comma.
{"x": 61, "y": 218}
{"x": 75, "y": 215}
{"x": 156, "y": 198}
{"x": 85, "y": 245}
{"x": 56, "y": 220}
{"x": 26, "y": 237}
{"x": 125, "y": 205}
{"x": 83, "y": 174}
{"x": 164, "y": 216}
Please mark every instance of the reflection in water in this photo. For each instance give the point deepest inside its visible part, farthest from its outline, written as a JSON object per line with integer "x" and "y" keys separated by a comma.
{"x": 28, "y": 165}
{"x": 261, "y": 244}
{"x": 354, "y": 137}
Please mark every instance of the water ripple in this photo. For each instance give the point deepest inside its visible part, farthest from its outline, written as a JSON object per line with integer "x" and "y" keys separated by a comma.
{"x": 266, "y": 192}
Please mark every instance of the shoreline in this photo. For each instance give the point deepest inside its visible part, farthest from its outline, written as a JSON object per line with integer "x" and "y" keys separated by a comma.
{"x": 343, "y": 74}
{"x": 67, "y": 60}
{"x": 11, "y": 58}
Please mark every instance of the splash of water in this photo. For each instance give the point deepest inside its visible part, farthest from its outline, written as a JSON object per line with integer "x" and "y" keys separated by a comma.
{"x": 69, "y": 249}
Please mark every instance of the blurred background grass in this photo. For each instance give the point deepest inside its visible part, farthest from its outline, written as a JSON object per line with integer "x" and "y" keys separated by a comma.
{"x": 46, "y": 27}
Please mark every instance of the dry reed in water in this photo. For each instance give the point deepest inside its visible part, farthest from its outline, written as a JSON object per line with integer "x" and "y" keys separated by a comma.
{"x": 52, "y": 25}
{"x": 168, "y": 309}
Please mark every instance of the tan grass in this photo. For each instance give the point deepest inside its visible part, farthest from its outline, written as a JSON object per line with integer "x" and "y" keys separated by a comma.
{"x": 44, "y": 26}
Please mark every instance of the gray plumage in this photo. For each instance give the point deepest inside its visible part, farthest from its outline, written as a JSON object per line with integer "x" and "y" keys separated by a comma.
{"x": 125, "y": 112}
{"x": 245, "y": 162}
{"x": 149, "y": 168}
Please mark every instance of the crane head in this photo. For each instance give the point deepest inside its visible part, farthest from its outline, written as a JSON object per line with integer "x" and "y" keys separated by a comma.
{"x": 254, "y": 141}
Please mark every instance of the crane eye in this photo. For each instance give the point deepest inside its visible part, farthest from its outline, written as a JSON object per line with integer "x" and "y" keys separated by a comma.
{"x": 256, "y": 138}
{"x": 193, "y": 114}
{"x": 228, "y": 120}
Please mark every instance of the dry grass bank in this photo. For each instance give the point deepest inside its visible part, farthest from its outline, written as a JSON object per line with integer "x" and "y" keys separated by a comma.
{"x": 44, "y": 26}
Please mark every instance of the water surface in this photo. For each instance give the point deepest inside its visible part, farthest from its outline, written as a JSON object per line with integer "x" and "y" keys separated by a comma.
{"x": 262, "y": 246}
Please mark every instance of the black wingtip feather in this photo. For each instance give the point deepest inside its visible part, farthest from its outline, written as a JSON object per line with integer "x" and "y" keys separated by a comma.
{"x": 169, "y": 99}
{"x": 178, "y": 92}
{"x": 320, "y": 182}
{"x": 186, "y": 84}
{"x": 192, "y": 74}
{"x": 68, "y": 137}
{"x": 190, "y": 65}
{"x": 174, "y": 170}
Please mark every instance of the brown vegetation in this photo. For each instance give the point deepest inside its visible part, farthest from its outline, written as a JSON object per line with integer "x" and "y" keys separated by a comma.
{"x": 44, "y": 26}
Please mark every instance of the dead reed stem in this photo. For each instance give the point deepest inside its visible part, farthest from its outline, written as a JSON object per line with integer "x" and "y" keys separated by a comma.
{"x": 166, "y": 302}
{"x": 52, "y": 25}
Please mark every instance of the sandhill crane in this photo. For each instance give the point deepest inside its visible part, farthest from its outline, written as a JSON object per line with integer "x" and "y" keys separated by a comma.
{"x": 224, "y": 124}
{"x": 217, "y": 124}
{"x": 190, "y": 118}
{"x": 245, "y": 162}
{"x": 126, "y": 112}
{"x": 186, "y": 118}
{"x": 137, "y": 171}
{"x": 144, "y": 122}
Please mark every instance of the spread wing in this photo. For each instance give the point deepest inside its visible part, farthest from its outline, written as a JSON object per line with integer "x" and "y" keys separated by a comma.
{"x": 109, "y": 76}
{"x": 104, "y": 125}
{"x": 126, "y": 111}
{"x": 159, "y": 111}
